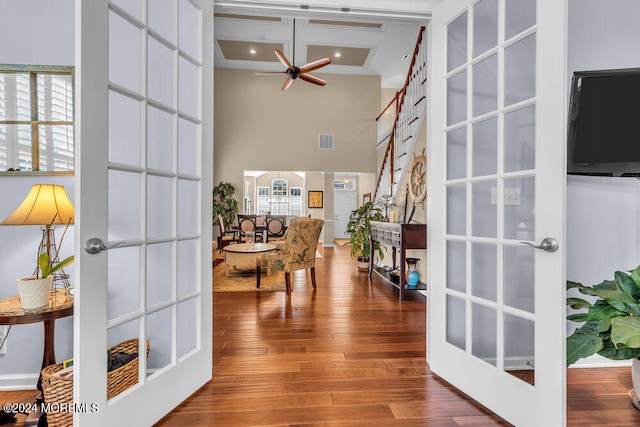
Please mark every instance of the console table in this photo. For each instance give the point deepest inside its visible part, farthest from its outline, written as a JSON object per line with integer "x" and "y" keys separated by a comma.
{"x": 400, "y": 237}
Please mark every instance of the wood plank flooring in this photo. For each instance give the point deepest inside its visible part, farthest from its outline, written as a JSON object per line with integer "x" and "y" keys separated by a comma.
{"x": 350, "y": 355}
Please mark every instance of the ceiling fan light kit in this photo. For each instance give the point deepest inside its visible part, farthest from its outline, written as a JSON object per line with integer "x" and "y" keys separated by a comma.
{"x": 293, "y": 72}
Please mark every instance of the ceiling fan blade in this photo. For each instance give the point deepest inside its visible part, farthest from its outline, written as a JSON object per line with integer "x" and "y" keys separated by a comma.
{"x": 287, "y": 83}
{"x": 283, "y": 59}
{"x": 267, "y": 73}
{"x": 315, "y": 65}
{"x": 312, "y": 79}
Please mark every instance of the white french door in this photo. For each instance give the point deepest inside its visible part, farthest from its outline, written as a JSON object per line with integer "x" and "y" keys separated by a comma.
{"x": 144, "y": 111}
{"x": 344, "y": 202}
{"x": 496, "y": 306}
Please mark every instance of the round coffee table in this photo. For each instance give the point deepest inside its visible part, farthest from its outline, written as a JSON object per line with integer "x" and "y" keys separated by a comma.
{"x": 246, "y": 255}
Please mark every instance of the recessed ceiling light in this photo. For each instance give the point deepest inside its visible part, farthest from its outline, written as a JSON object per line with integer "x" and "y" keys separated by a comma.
{"x": 252, "y": 51}
{"x": 337, "y": 54}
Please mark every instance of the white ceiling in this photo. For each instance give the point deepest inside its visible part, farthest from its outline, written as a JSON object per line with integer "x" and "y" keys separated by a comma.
{"x": 388, "y": 43}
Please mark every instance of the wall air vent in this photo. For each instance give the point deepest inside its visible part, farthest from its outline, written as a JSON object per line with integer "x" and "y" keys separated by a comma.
{"x": 325, "y": 141}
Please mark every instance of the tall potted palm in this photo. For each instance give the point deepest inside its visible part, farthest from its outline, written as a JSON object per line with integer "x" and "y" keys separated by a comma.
{"x": 358, "y": 228}
{"x": 224, "y": 203}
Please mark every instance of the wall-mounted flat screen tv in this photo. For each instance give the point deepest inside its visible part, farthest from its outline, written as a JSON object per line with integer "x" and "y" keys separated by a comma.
{"x": 604, "y": 123}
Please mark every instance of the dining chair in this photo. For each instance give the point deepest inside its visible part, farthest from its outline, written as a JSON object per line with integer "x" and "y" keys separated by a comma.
{"x": 297, "y": 252}
{"x": 226, "y": 236}
{"x": 247, "y": 224}
{"x": 276, "y": 227}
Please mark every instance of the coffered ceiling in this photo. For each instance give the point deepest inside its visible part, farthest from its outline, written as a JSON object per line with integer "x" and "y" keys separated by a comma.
{"x": 356, "y": 45}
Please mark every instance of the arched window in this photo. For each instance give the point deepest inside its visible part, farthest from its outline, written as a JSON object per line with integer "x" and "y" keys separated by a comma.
{"x": 279, "y": 187}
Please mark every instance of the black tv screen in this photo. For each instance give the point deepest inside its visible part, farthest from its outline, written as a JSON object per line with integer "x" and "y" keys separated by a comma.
{"x": 604, "y": 123}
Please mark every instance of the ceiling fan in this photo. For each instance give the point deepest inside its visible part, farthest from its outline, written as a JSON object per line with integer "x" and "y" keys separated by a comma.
{"x": 294, "y": 72}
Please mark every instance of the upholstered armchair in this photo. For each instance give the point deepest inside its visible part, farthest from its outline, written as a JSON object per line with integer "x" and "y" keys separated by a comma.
{"x": 297, "y": 252}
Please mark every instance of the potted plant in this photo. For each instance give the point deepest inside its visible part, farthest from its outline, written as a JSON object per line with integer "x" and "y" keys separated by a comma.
{"x": 224, "y": 204}
{"x": 358, "y": 228}
{"x": 611, "y": 323}
{"x": 34, "y": 290}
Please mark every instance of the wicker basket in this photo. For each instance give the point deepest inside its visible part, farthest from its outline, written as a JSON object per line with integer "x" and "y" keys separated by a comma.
{"x": 60, "y": 390}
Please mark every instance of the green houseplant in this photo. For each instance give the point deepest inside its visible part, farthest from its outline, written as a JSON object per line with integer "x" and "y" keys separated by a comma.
{"x": 34, "y": 290}
{"x": 358, "y": 229}
{"x": 224, "y": 203}
{"x": 611, "y": 323}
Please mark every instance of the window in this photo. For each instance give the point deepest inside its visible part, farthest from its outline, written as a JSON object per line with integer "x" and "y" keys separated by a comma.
{"x": 279, "y": 187}
{"x": 295, "y": 201}
{"x": 262, "y": 200}
{"x": 344, "y": 184}
{"x": 36, "y": 119}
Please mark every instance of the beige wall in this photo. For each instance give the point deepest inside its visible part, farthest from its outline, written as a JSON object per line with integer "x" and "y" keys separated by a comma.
{"x": 260, "y": 127}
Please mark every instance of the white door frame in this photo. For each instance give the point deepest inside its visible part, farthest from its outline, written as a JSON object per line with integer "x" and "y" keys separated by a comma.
{"x": 139, "y": 405}
{"x": 516, "y": 401}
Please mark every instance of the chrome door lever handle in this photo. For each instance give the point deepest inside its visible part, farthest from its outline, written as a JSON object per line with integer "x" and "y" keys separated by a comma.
{"x": 95, "y": 245}
{"x": 548, "y": 244}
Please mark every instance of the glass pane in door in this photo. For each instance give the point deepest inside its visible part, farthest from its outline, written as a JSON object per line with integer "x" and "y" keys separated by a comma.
{"x": 519, "y": 69}
{"x": 161, "y": 18}
{"x": 457, "y": 98}
{"x": 457, "y": 153}
{"x": 485, "y": 26}
{"x": 159, "y": 273}
{"x": 189, "y": 22}
{"x": 484, "y": 277}
{"x": 519, "y": 208}
{"x": 160, "y": 134}
{"x": 485, "y": 86}
{"x": 188, "y": 95}
{"x": 520, "y": 15}
{"x": 187, "y": 327}
{"x": 125, "y": 208}
{"x": 484, "y": 213}
{"x": 123, "y": 286}
{"x": 484, "y": 332}
{"x": 125, "y": 129}
{"x": 160, "y": 220}
{"x": 160, "y": 72}
{"x": 187, "y": 147}
{"x": 125, "y": 45}
{"x": 160, "y": 333}
{"x": 485, "y": 147}
{"x": 456, "y": 209}
{"x": 457, "y": 42}
{"x": 519, "y": 348}
{"x": 456, "y": 322}
{"x": 519, "y": 139}
{"x": 457, "y": 265}
{"x": 519, "y": 277}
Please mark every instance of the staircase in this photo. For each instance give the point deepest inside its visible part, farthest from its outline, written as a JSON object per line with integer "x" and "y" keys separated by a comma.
{"x": 400, "y": 122}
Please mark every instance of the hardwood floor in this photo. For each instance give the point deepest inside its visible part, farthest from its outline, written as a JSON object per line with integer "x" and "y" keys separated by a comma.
{"x": 350, "y": 354}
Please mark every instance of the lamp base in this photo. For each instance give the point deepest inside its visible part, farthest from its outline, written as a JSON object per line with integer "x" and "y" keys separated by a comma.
{"x": 48, "y": 246}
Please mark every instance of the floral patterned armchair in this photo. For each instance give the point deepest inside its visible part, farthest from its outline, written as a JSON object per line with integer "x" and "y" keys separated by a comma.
{"x": 297, "y": 251}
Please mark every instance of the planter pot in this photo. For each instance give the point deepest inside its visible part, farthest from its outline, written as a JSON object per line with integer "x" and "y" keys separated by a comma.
{"x": 363, "y": 264}
{"x": 635, "y": 379}
{"x": 34, "y": 293}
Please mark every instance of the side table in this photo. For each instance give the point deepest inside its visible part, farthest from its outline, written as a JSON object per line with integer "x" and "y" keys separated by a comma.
{"x": 11, "y": 313}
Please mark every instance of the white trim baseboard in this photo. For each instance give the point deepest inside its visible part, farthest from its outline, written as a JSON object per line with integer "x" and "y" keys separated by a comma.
{"x": 18, "y": 382}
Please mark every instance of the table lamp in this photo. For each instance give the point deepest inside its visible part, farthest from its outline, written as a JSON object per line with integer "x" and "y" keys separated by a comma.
{"x": 46, "y": 204}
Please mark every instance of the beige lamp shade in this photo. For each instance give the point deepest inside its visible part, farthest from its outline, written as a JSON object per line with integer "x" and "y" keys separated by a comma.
{"x": 45, "y": 204}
